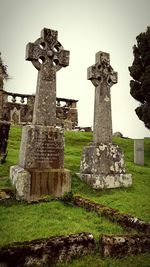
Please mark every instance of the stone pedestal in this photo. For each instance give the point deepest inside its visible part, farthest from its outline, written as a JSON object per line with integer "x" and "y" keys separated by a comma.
{"x": 102, "y": 166}
{"x": 37, "y": 183}
{"x": 41, "y": 167}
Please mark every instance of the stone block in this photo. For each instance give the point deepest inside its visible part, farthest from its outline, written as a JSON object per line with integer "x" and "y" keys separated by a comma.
{"x": 102, "y": 166}
{"x": 55, "y": 182}
{"x": 21, "y": 179}
{"x": 103, "y": 158}
{"x": 35, "y": 184}
{"x": 101, "y": 181}
{"x": 41, "y": 147}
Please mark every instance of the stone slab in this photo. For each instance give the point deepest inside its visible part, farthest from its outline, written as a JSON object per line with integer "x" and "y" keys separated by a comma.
{"x": 102, "y": 166}
{"x": 139, "y": 151}
{"x": 37, "y": 183}
{"x": 101, "y": 181}
{"x": 102, "y": 159}
{"x": 41, "y": 147}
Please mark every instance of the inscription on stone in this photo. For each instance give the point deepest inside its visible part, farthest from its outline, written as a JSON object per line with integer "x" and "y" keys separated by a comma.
{"x": 48, "y": 151}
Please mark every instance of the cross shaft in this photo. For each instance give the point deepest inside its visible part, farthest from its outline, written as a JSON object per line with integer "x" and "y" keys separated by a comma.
{"x": 48, "y": 56}
{"x": 103, "y": 77}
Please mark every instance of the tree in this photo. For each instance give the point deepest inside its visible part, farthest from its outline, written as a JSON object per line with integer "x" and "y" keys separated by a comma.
{"x": 140, "y": 72}
{"x": 3, "y": 72}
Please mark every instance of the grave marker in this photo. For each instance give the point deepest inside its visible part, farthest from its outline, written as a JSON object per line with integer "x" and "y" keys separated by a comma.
{"x": 41, "y": 160}
{"x": 102, "y": 163}
{"x": 139, "y": 151}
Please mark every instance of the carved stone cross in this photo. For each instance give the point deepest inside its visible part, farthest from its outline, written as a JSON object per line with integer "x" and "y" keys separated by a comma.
{"x": 48, "y": 56}
{"x": 103, "y": 77}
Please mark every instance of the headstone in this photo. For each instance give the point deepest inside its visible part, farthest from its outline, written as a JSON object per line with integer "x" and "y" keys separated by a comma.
{"x": 4, "y": 134}
{"x": 139, "y": 151}
{"x": 118, "y": 134}
{"x": 102, "y": 163}
{"x": 41, "y": 161}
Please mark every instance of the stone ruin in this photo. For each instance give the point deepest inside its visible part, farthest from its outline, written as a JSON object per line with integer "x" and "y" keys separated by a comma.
{"x": 41, "y": 160}
{"x": 102, "y": 163}
{"x": 18, "y": 109}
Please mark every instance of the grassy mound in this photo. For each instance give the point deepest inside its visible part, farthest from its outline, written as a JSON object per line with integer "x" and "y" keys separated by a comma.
{"x": 20, "y": 222}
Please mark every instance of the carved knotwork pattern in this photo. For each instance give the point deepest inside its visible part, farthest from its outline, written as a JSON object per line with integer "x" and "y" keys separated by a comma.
{"x": 102, "y": 72}
{"x": 47, "y": 54}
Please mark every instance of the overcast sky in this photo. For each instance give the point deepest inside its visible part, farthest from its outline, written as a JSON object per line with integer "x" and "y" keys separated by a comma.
{"x": 84, "y": 27}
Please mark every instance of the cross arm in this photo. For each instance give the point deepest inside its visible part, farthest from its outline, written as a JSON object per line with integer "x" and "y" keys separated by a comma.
{"x": 91, "y": 73}
{"x": 113, "y": 77}
{"x": 63, "y": 58}
{"x": 49, "y": 35}
{"x": 33, "y": 51}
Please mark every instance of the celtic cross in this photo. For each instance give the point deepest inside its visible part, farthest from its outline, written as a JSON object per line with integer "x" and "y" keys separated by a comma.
{"x": 103, "y": 77}
{"x": 48, "y": 56}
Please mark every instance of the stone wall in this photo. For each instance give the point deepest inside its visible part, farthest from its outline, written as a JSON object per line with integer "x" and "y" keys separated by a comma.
{"x": 125, "y": 220}
{"x": 48, "y": 251}
{"x": 119, "y": 246}
{"x": 18, "y": 109}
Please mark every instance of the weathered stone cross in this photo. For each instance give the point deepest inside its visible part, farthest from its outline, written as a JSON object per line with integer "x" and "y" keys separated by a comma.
{"x": 103, "y": 77}
{"x": 48, "y": 56}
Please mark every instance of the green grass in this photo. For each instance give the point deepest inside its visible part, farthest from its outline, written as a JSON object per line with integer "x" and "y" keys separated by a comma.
{"x": 27, "y": 222}
{"x": 13, "y": 153}
{"x": 96, "y": 261}
{"x": 74, "y": 143}
{"x": 20, "y": 222}
{"x": 134, "y": 200}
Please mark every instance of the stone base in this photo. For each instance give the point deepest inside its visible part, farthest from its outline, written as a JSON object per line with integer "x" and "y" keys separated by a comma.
{"x": 34, "y": 184}
{"x": 21, "y": 179}
{"x": 107, "y": 181}
{"x": 102, "y": 166}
